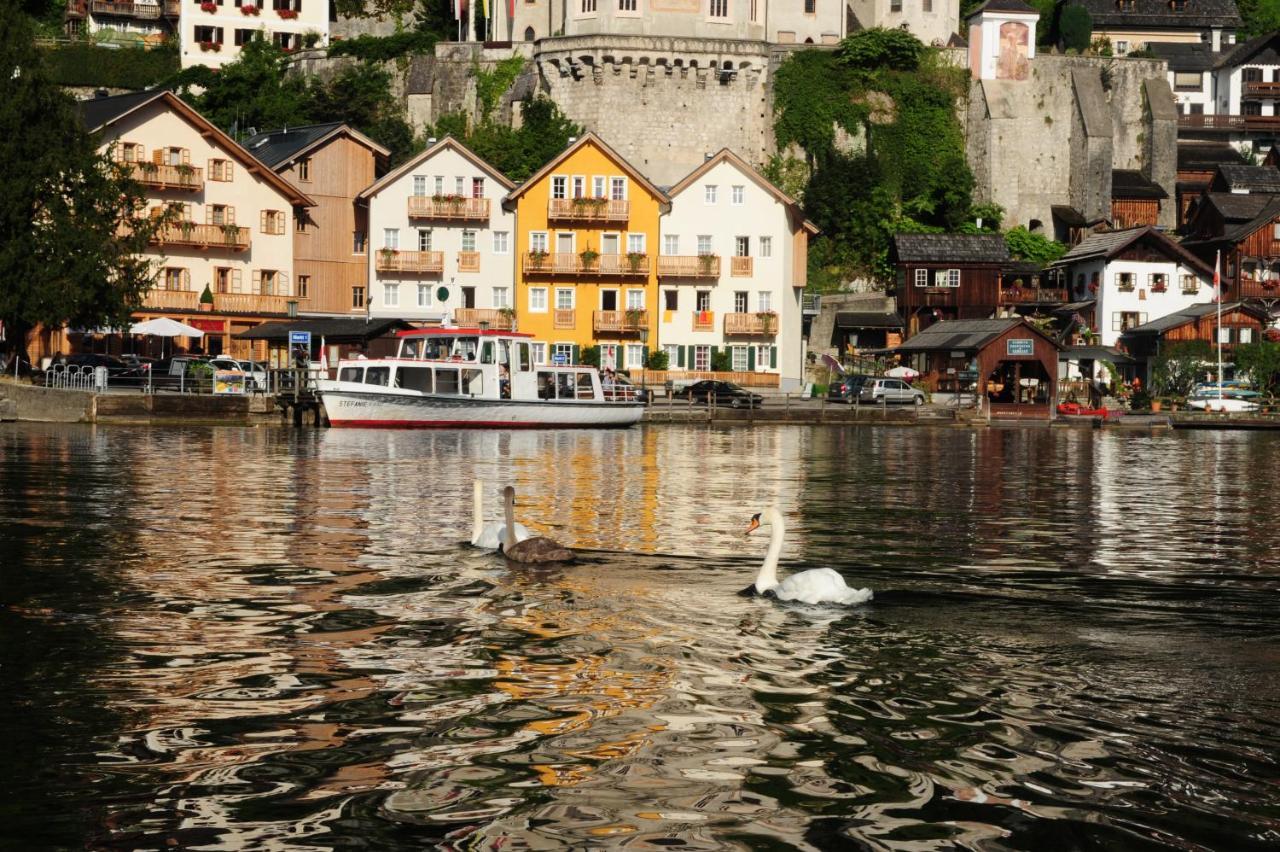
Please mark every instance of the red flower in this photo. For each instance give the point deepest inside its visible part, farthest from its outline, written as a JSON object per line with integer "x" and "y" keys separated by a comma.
{"x": 208, "y": 7}
{"x": 288, "y": 14}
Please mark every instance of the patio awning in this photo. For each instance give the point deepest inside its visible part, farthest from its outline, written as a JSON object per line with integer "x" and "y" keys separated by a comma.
{"x": 355, "y": 330}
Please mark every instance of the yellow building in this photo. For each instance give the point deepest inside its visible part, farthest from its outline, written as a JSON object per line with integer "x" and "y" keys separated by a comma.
{"x": 587, "y": 242}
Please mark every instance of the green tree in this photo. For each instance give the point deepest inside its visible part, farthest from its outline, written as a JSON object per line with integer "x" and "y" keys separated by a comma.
{"x": 812, "y": 97}
{"x": 1261, "y": 362}
{"x": 361, "y": 96}
{"x": 1075, "y": 26}
{"x": 1024, "y": 245}
{"x": 1179, "y": 366}
{"x": 1259, "y": 16}
{"x": 518, "y": 153}
{"x": 73, "y": 224}
{"x": 879, "y": 48}
{"x": 252, "y": 92}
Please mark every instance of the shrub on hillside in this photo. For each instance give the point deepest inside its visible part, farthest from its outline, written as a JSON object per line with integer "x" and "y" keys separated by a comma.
{"x": 1076, "y": 26}
{"x": 382, "y": 48}
{"x": 125, "y": 68}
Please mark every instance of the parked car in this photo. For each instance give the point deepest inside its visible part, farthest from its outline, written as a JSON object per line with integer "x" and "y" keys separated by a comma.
{"x": 889, "y": 390}
{"x": 723, "y": 393}
{"x": 254, "y": 370}
{"x": 846, "y": 387}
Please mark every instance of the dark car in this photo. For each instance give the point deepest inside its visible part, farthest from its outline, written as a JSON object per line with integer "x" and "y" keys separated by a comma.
{"x": 846, "y": 388}
{"x": 722, "y": 393}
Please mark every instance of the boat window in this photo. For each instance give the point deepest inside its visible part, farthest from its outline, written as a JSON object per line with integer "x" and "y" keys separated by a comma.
{"x": 504, "y": 352}
{"x": 522, "y": 357}
{"x": 564, "y": 386}
{"x": 585, "y": 391}
{"x": 437, "y": 349}
{"x": 349, "y": 374}
{"x": 486, "y": 352}
{"x": 414, "y": 378}
{"x": 473, "y": 382}
{"x": 447, "y": 381}
{"x": 465, "y": 349}
{"x": 546, "y": 385}
{"x": 409, "y": 349}
{"x": 377, "y": 375}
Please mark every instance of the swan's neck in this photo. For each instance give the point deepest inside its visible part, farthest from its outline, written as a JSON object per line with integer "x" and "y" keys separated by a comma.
{"x": 509, "y": 513}
{"x": 477, "y": 509}
{"x": 768, "y": 576}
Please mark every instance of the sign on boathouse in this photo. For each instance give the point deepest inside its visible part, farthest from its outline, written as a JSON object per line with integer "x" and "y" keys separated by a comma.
{"x": 1020, "y": 346}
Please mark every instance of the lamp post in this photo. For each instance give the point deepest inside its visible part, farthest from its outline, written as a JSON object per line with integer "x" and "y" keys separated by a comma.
{"x": 644, "y": 342}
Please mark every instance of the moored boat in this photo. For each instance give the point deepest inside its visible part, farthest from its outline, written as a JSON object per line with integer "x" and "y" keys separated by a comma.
{"x": 471, "y": 378}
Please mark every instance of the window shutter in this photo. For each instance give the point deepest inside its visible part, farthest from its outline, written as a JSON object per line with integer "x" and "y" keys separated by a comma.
{"x": 186, "y": 156}
{"x": 230, "y": 217}
{"x": 227, "y": 166}
{"x": 256, "y": 281}
{"x": 208, "y": 214}
{"x": 282, "y": 284}
{"x": 751, "y": 358}
{"x": 574, "y": 353}
{"x": 680, "y": 356}
{"x": 184, "y": 278}
{"x": 235, "y": 280}
{"x": 773, "y": 357}
{"x": 263, "y": 224}
{"x": 644, "y": 355}
{"x": 157, "y": 156}
{"x": 213, "y": 170}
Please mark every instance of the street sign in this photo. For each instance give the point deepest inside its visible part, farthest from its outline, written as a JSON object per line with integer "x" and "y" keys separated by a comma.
{"x": 300, "y": 338}
{"x": 1020, "y": 346}
{"x": 559, "y": 359}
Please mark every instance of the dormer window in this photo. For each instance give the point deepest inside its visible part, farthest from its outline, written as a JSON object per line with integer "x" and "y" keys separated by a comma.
{"x": 1178, "y": 5}
{"x": 1125, "y": 5}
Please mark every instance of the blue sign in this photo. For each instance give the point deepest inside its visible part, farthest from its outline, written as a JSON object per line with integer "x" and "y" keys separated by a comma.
{"x": 302, "y": 338}
{"x": 1020, "y": 346}
{"x": 559, "y": 359}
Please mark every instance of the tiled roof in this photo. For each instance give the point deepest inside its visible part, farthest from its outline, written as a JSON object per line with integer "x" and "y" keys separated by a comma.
{"x": 1185, "y": 56}
{"x": 950, "y": 248}
{"x": 1206, "y": 156}
{"x": 1247, "y": 50}
{"x": 276, "y": 146}
{"x": 95, "y": 112}
{"x": 1159, "y": 14}
{"x": 1130, "y": 183}
{"x": 1108, "y": 244}
{"x": 1184, "y": 316}
{"x": 1249, "y": 178}
{"x": 863, "y": 319}
{"x": 962, "y": 335}
{"x": 1016, "y": 6}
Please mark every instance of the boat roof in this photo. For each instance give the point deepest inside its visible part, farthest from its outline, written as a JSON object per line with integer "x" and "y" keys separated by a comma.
{"x": 455, "y": 332}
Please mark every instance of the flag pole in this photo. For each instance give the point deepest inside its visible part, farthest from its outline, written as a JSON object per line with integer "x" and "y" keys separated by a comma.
{"x": 1217, "y": 280}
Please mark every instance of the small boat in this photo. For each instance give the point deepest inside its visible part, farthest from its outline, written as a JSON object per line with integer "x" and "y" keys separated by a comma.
{"x": 471, "y": 378}
{"x": 1225, "y": 403}
{"x": 1234, "y": 389}
{"x": 1075, "y": 409}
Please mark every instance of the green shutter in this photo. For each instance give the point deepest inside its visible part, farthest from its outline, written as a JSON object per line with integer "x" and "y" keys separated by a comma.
{"x": 773, "y": 357}
{"x": 644, "y": 355}
{"x": 574, "y": 353}
{"x": 680, "y": 356}
{"x": 751, "y": 359}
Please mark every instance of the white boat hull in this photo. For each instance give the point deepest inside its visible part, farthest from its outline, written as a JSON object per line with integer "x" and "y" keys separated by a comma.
{"x": 389, "y": 410}
{"x": 1227, "y": 404}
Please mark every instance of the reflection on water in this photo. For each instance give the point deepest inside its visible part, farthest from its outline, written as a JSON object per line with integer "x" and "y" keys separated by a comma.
{"x": 228, "y": 638}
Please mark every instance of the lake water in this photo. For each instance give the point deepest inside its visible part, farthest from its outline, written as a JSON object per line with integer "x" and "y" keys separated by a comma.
{"x": 256, "y": 638}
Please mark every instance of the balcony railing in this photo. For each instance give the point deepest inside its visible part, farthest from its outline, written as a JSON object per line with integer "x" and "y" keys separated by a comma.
{"x": 564, "y": 318}
{"x": 240, "y": 303}
{"x": 689, "y": 266}
{"x": 588, "y": 210}
{"x": 704, "y": 320}
{"x": 621, "y": 322}
{"x": 567, "y": 263}
{"x": 468, "y": 261}
{"x": 758, "y": 323}
{"x": 125, "y": 9}
{"x": 169, "y": 177}
{"x": 1229, "y": 122}
{"x": 446, "y": 207}
{"x": 495, "y": 317}
{"x": 1031, "y": 295}
{"x": 203, "y": 236}
{"x": 164, "y": 300}
{"x": 1262, "y": 90}
{"x": 740, "y": 267}
{"x": 409, "y": 261}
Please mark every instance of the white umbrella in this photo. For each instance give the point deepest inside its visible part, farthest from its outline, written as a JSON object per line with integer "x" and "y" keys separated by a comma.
{"x": 902, "y": 373}
{"x": 165, "y": 327}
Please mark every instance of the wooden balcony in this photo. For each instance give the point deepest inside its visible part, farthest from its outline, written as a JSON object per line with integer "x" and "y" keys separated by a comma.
{"x": 1261, "y": 123}
{"x": 236, "y": 303}
{"x": 408, "y": 261}
{"x": 169, "y": 177}
{"x": 689, "y": 266}
{"x": 620, "y": 322}
{"x": 1261, "y": 90}
{"x": 448, "y": 208}
{"x": 566, "y": 263}
{"x": 564, "y": 318}
{"x": 740, "y": 267}
{"x": 704, "y": 320}
{"x": 765, "y": 323}
{"x": 171, "y": 300}
{"x": 588, "y": 210}
{"x": 495, "y": 317}
{"x": 125, "y": 9}
{"x": 191, "y": 235}
{"x": 468, "y": 261}
{"x": 1032, "y": 296}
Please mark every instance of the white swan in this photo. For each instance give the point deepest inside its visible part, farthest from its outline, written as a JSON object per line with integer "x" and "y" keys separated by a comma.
{"x": 492, "y": 534}
{"x": 817, "y": 585}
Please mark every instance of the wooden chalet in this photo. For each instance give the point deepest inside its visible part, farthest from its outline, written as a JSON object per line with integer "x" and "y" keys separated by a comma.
{"x": 1249, "y": 248}
{"x": 1242, "y": 323}
{"x": 1009, "y": 361}
{"x": 1135, "y": 199}
{"x": 1198, "y": 163}
{"x": 1070, "y": 226}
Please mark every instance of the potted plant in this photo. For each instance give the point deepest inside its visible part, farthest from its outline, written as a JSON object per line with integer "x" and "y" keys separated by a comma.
{"x": 248, "y": 10}
{"x": 208, "y": 7}
{"x": 209, "y": 45}
{"x": 508, "y": 316}
{"x": 231, "y": 233}
{"x": 206, "y": 299}
{"x": 589, "y": 257}
{"x": 187, "y": 228}
{"x": 635, "y": 319}
{"x": 634, "y": 259}
{"x": 186, "y": 173}
{"x": 288, "y": 14}
{"x": 705, "y": 263}
{"x": 537, "y": 258}
{"x": 386, "y": 255}
{"x": 768, "y": 322}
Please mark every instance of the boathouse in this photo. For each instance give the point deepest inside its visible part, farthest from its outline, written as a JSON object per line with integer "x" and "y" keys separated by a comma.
{"x": 1008, "y": 362}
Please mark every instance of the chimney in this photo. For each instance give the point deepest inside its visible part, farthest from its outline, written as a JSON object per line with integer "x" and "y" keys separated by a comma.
{"x": 573, "y": 139}
{"x": 707, "y": 156}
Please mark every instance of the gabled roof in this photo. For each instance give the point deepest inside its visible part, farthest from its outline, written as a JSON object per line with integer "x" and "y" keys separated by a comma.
{"x": 950, "y": 248}
{"x": 1235, "y": 207}
{"x": 99, "y": 113}
{"x": 590, "y": 138}
{"x": 413, "y": 162}
{"x": 727, "y": 156}
{"x": 1130, "y": 183}
{"x": 1191, "y": 314}
{"x": 1249, "y": 50}
{"x": 966, "y": 335}
{"x": 1070, "y": 216}
{"x": 278, "y": 148}
{"x": 1159, "y": 14}
{"x": 1238, "y": 177}
{"x": 1107, "y": 244}
{"x": 1237, "y": 233}
{"x": 1015, "y": 6}
{"x": 1185, "y": 56}
{"x": 1206, "y": 156}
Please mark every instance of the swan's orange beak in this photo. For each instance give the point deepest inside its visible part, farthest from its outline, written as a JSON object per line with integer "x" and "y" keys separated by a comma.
{"x": 753, "y": 526}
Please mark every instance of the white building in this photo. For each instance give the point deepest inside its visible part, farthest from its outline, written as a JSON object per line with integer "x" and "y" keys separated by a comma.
{"x": 732, "y": 271}
{"x": 441, "y": 248}
{"x": 776, "y": 21}
{"x": 235, "y": 217}
{"x": 211, "y": 32}
{"x": 1134, "y": 276}
{"x": 932, "y": 21}
{"x": 124, "y": 21}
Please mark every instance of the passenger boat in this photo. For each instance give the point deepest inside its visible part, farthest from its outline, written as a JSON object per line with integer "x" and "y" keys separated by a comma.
{"x": 471, "y": 378}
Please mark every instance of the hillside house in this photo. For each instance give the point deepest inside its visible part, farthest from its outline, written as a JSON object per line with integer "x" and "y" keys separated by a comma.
{"x": 947, "y": 277}
{"x": 1249, "y": 248}
{"x": 1242, "y": 323}
{"x": 1134, "y": 24}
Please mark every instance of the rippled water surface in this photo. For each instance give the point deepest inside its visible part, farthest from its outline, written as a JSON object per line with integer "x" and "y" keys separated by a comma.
{"x": 248, "y": 639}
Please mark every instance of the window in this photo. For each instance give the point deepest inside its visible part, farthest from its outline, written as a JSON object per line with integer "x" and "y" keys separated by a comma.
{"x": 1190, "y": 284}
{"x": 538, "y": 300}
{"x": 635, "y": 300}
{"x": 357, "y": 242}
{"x": 419, "y": 186}
{"x": 563, "y": 353}
{"x": 895, "y": 5}
{"x": 1124, "y": 281}
{"x": 272, "y": 221}
{"x": 1244, "y": 335}
{"x": 588, "y": 7}
{"x": 618, "y": 188}
{"x": 559, "y": 187}
{"x": 764, "y": 356}
{"x": 175, "y": 278}
{"x": 737, "y": 195}
{"x": 709, "y": 194}
{"x": 226, "y": 280}
{"x": 468, "y": 240}
{"x": 1125, "y": 320}
{"x": 764, "y": 301}
{"x": 671, "y": 244}
{"x": 357, "y": 297}
{"x": 285, "y": 41}
{"x": 766, "y": 246}
{"x": 742, "y": 246}
{"x": 943, "y": 277}
{"x": 702, "y": 301}
{"x": 391, "y": 295}
{"x": 719, "y": 9}
{"x": 439, "y": 185}
{"x": 299, "y": 223}
{"x": 627, "y": 5}
{"x": 424, "y": 239}
{"x": 1251, "y": 108}
{"x": 424, "y": 295}
{"x": 1159, "y": 282}
{"x": 635, "y": 243}
{"x": 704, "y": 244}
{"x": 579, "y": 186}
{"x": 270, "y": 283}
{"x": 377, "y": 375}
{"x": 702, "y": 357}
{"x": 304, "y": 169}
{"x": 635, "y": 356}
{"x": 922, "y": 278}
{"x": 391, "y": 238}
{"x": 564, "y": 298}
{"x": 304, "y": 286}
{"x": 539, "y": 352}
{"x": 220, "y": 170}
{"x": 739, "y": 354}
{"x": 537, "y": 241}
{"x": 926, "y": 6}
{"x": 755, "y": 19}
{"x": 208, "y": 35}
{"x": 1122, "y": 47}
{"x": 740, "y": 302}
{"x": 242, "y": 37}
{"x": 1186, "y": 81}
{"x": 501, "y": 297}
{"x": 221, "y": 214}
{"x": 131, "y": 152}
{"x": 501, "y": 242}
{"x": 671, "y": 300}
{"x": 477, "y": 187}
{"x": 459, "y": 185}
{"x": 811, "y": 7}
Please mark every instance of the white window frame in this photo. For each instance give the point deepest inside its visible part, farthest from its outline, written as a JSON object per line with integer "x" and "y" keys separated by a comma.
{"x": 636, "y": 243}
{"x": 538, "y": 351}
{"x": 424, "y": 239}
{"x": 764, "y": 352}
{"x": 705, "y": 245}
{"x": 537, "y": 305}
{"x": 501, "y": 297}
{"x": 737, "y": 195}
{"x": 599, "y": 186}
{"x": 538, "y": 241}
{"x": 468, "y": 240}
{"x": 635, "y": 299}
{"x": 766, "y": 246}
{"x": 710, "y": 192}
{"x": 572, "y": 301}
{"x": 391, "y": 294}
{"x": 738, "y": 356}
{"x": 419, "y": 186}
{"x": 702, "y": 357}
{"x": 670, "y": 244}
{"x": 559, "y": 186}
{"x": 501, "y": 242}
{"x": 391, "y": 238}
{"x": 618, "y": 188}
{"x": 922, "y": 277}
{"x": 424, "y": 296}
{"x": 764, "y": 301}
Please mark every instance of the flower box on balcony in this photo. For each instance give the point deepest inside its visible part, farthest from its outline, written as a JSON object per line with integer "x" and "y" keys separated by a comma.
{"x": 210, "y": 45}
{"x": 1159, "y": 288}
{"x": 208, "y": 7}
{"x": 249, "y": 10}
{"x": 288, "y": 14}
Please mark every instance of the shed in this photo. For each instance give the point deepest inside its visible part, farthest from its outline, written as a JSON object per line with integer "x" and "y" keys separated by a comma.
{"x": 1011, "y": 361}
